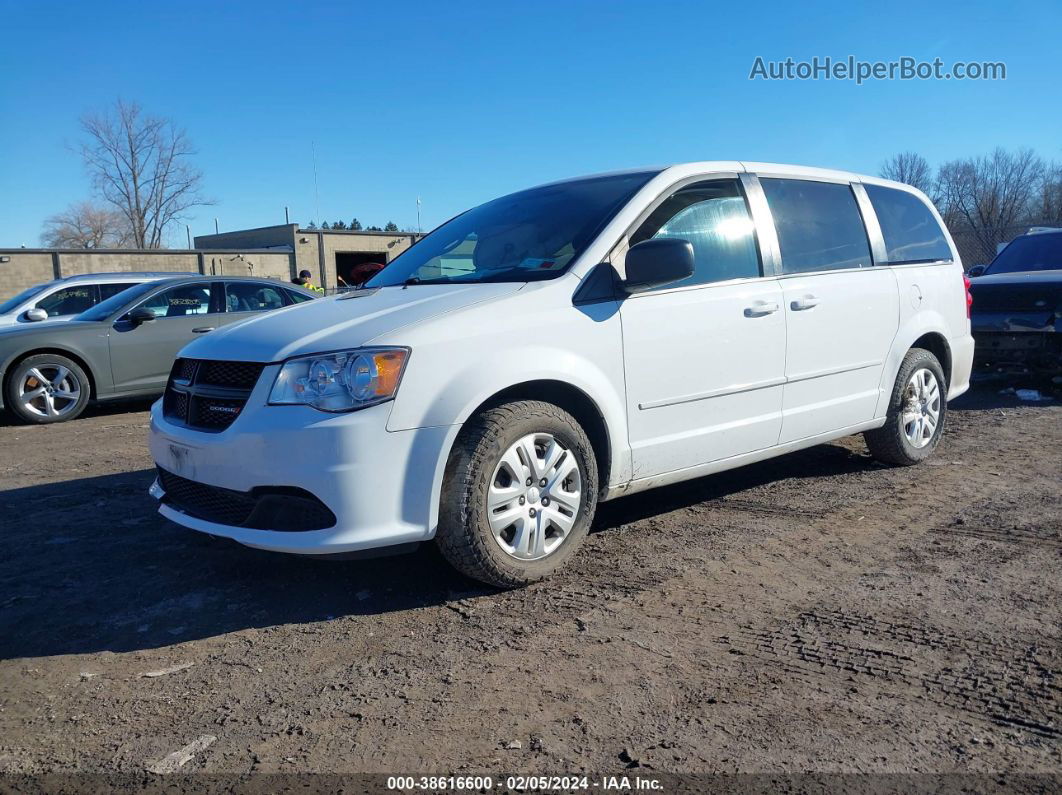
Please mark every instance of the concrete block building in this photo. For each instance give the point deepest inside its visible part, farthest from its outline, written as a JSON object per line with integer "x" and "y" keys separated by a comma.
{"x": 326, "y": 253}
{"x": 276, "y": 252}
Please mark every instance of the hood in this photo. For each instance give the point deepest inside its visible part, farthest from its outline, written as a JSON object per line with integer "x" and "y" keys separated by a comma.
{"x": 45, "y": 326}
{"x": 346, "y": 321}
{"x": 1029, "y": 301}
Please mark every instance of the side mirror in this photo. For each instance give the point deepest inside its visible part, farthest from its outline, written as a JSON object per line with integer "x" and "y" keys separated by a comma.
{"x": 141, "y": 315}
{"x": 976, "y": 270}
{"x": 35, "y": 315}
{"x": 657, "y": 262}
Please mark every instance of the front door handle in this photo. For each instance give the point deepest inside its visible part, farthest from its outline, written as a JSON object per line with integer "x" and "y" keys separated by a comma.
{"x": 806, "y": 302}
{"x": 202, "y": 329}
{"x": 761, "y": 308}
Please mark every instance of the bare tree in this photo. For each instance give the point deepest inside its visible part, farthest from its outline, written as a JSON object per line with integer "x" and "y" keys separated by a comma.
{"x": 141, "y": 165}
{"x": 910, "y": 168}
{"x": 988, "y": 197}
{"x": 86, "y": 225}
{"x": 1049, "y": 200}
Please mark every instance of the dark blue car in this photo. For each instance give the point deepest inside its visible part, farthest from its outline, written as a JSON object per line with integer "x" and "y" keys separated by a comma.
{"x": 1017, "y": 308}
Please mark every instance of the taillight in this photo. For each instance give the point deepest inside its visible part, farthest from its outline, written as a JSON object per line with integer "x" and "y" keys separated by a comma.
{"x": 969, "y": 295}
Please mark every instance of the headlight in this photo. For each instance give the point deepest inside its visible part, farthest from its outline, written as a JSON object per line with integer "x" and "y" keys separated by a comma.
{"x": 340, "y": 381}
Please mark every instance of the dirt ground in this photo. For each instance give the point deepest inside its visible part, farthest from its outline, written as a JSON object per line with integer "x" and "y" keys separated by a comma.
{"x": 817, "y": 612}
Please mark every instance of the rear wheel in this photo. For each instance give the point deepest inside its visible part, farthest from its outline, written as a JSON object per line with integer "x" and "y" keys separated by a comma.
{"x": 519, "y": 494}
{"x": 915, "y": 419}
{"x": 47, "y": 388}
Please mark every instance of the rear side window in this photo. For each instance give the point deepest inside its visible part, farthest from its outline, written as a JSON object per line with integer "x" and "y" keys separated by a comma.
{"x": 911, "y": 232}
{"x": 713, "y": 217}
{"x": 819, "y": 225}
{"x": 298, "y": 298}
{"x": 69, "y": 301}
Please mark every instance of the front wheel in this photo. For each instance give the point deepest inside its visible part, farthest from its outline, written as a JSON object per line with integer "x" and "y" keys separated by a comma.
{"x": 915, "y": 419}
{"x": 47, "y": 388}
{"x": 519, "y": 494}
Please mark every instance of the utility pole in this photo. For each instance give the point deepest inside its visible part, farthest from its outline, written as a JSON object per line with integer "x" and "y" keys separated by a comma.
{"x": 216, "y": 230}
{"x": 188, "y": 231}
{"x": 286, "y": 221}
{"x": 316, "y": 194}
{"x": 419, "y": 228}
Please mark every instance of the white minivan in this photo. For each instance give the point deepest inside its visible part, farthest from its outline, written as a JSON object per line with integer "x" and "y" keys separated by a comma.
{"x": 566, "y": 345}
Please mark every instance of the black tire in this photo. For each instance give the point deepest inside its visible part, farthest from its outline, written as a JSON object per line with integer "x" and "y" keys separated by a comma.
{"x": 47, "y": 364}
{"x": 889, "y": 443}
{"x": 464, "y": 535}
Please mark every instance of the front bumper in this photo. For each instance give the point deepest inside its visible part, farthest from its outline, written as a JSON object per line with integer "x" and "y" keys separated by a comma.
{"x": 381, "y": 485}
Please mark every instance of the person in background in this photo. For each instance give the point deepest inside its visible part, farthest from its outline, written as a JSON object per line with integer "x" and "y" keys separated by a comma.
{"x": 304, "y": 280}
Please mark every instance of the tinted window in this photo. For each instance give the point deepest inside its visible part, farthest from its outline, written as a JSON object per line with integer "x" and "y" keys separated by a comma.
{"x": 107, "y": 289}
{"x": 911, "y": 232}
{"x": 105, "y": 309}
{"x": 527, "y": 236}
{"x": 819, "y": 225}
{"x": 1041, "y": 252}
{"x": 713, "y": 217}
{"x": 252, "y": 297}
{"x": 181, "y": 301}
{"x": 71, "y": 300}
{"x": 298, "y": 298}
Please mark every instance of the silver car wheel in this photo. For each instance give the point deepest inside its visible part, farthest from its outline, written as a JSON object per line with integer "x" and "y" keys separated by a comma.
{"x": 49, "y": 390}
{"x": 921, "y": 407}
{"x": 534, "y": 497}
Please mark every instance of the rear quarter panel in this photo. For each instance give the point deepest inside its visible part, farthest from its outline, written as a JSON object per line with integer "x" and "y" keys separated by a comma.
{"x": 932, "y": 299}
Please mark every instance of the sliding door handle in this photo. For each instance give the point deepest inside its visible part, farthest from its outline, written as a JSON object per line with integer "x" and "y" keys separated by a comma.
{"x": 805, "y": 302}
{"x": 761, "y": 308}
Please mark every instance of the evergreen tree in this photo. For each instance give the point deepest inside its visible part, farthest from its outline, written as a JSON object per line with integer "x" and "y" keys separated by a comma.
{"x": 356, "y": 225}
{"x": 311, "y": 225}
{"x": 391, "y": 227}
{"x": 339, "y": 225}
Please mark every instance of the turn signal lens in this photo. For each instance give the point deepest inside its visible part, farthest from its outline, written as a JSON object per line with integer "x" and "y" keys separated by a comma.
{"x": 389, "y": 365}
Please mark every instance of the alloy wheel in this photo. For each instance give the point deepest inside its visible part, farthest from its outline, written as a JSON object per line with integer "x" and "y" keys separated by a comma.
{"x": 921, "y": 407}
{"x": 49, "y": 390}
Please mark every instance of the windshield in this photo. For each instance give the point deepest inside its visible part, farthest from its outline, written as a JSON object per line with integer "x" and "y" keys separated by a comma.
{"x": 1029, "y": 253}
{"x": 527, "y": 236}
{"x": 104, "y": 309}
{"x": 11, "y": 303}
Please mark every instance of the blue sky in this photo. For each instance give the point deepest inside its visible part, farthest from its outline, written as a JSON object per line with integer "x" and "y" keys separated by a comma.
{"x": 460, "y": 101}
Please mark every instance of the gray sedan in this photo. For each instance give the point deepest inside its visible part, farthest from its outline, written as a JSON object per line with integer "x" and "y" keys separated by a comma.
{"x": 123, "y": 347}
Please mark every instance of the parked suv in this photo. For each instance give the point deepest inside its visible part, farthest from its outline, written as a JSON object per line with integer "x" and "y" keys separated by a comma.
{"x": 64, "y": 298}
{"x": 566, "y": 345}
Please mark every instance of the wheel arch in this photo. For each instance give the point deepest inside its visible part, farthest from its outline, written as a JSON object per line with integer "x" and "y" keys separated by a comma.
{"x": 937, "y": 344}
{"x": 574, "y": 401}
{"x": 71, "y": 355}
{"x": 929, "y": 334}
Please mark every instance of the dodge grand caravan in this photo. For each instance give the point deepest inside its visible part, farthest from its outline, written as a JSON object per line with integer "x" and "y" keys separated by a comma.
{"x": 565, "y": 345}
